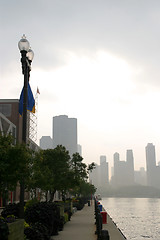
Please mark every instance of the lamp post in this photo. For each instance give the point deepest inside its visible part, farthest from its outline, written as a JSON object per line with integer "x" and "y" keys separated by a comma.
{"x": 26, "y": 60}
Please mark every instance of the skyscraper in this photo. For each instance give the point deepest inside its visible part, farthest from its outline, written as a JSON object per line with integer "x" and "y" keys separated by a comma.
{"x": 116, "y": 160}
{"x": 151, "y": 164}
{"x": 46, "y": 142}
{"x": 65, "y": 133}
{"x": 99, "y": 176}
{"x": 104, "y": 178}
{"x": 130, "y": 166}
{"x": 123, "y": 170}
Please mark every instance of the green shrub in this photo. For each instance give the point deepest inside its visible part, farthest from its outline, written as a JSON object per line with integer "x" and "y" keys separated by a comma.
{"x": 46, "y": 213}
{"x": 33, "y": 234}
{"x": 10, "y": 218}
{"x": 11, "y": 209}
{"x": 37, "y": 231}
{"x": 31, "y": 202}
{"x": 62, "y": 222}
{"x": 79, "y": 203}
{"x": 65, "y": 217}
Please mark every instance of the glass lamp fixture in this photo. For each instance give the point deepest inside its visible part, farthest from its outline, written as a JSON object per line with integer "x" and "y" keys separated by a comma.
{"x": 23, "y": 44}
{"x": 30, "y": 54}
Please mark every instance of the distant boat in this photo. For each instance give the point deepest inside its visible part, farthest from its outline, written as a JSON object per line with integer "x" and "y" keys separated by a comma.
{"x": 99, "y": 197}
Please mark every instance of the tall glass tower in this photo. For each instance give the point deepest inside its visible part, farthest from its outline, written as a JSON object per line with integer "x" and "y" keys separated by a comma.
{"x": 130, "y": 166}
{"x": 65, "y": 133}
{"x": 150, "y": 164}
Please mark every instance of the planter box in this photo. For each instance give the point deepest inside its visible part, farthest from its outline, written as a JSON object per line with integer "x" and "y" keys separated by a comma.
{"x": 16, "y": 230}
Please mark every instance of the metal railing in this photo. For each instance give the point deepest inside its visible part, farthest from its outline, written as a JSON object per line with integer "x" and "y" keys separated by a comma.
{"x": 101, "y": 234}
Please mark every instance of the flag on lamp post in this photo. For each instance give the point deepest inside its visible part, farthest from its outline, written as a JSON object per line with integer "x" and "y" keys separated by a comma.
{"x": 30, "y": 102}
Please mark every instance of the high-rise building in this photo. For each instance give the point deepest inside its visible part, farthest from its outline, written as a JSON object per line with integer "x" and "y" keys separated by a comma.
{"x": 116, "y": 160}
{"x": 79, "y": 149}
{"x": 104, "y": 178}
{"x": 46, "y": 142}
{"x": 151, "y": 164}
{"x": 123, "y": 170}
{"x": 130, "y": 166}
{"x": 99, "y": 176}
{"x": 102, "y": 159}
{"x": 65, "y": 133}
{"x": 94, "y": 176}
{"x": 140, "y": 176}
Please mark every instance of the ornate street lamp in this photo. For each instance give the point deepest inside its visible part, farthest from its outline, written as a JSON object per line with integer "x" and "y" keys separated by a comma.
{"x": 26, "y": 60}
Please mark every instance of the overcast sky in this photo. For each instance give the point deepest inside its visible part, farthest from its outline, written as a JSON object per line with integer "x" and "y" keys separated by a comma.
{"x": 95, "y": 60}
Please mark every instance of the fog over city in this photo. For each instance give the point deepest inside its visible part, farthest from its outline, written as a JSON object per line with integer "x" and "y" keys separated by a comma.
{"x": 96, "y": 61}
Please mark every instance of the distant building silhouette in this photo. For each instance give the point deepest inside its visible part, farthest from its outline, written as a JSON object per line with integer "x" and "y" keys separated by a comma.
{"x": 130, "y": 166}
{"x": 153, "y": 171}
{"x": 116, "y": 159}
{"x": 140, "y": 177}
{"x": 123, "y": 170}
{"x": 65, "y": 133}
{"x": 103, "y": 171}
{"x": 79, "y": 149}
{"x": 94, "y": 176}
{"x": 99, "y": 177}
{"x": 46, "y": 142}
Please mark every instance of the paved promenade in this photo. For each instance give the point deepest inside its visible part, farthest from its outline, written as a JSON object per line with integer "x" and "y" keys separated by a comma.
{"x": 82, "y": 227}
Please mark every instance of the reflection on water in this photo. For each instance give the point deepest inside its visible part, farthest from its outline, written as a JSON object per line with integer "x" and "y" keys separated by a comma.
{"x": 138, "y": 218}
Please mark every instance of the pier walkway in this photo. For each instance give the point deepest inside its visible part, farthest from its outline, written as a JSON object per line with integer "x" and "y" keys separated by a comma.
{"x": 82, "y": 227}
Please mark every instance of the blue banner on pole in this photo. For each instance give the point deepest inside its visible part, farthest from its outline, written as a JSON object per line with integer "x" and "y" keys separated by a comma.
{"x": 30, "y": 102}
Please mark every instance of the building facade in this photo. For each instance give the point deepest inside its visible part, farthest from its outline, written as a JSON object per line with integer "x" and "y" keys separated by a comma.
{"x": 11, "y": 123}
{"x": 130, "y": 166}
{"x": 65, "y": 133}
{"x": 10, "y": 109}
{"x": 46, "y": 142}
{"x": 99, "y": 176}
{"x": 123, "y": 170}
{"x": 152, "y": 169}
{"x": 103, "y": 171}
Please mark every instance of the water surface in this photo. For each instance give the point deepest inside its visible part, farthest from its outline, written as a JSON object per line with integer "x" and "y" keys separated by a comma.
{"x": 138, "y": 218}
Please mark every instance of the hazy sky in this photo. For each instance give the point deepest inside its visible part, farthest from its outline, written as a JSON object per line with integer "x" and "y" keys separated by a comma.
{"x": 95, "y": 60}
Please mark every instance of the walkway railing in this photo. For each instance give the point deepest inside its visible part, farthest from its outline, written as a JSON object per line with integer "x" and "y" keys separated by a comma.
{"x": 101, "y": 234}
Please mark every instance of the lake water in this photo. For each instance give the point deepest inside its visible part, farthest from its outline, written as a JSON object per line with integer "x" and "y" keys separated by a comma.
{"x": 138, "y": 218}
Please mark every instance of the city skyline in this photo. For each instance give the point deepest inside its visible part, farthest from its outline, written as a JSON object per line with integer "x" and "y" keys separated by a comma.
{"x": 123, "y": 172}
{"x": 95, "y": 61}
{"x": 64, "y": 132}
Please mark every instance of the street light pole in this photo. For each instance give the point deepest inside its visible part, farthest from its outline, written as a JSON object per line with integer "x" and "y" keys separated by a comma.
{"x": 26, "y": 59}
{"x": 25, "y": 96}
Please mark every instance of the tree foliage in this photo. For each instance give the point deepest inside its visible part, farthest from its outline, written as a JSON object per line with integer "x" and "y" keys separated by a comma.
{"x": 5, "y": 166}
{"x": 50, "y": 170}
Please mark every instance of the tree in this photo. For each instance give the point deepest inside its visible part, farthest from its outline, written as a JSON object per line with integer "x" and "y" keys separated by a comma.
{"x": 5, "y": 169}
{"x": 91, "y": 167}
{"x": 78, "y": 167}
{"x": 21, "y": 160}
{"x": 51, "y": 170}
{"x": 15, "y": 166}
{"x": 80, "y": 173}
{"x": 86, "y": 189}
